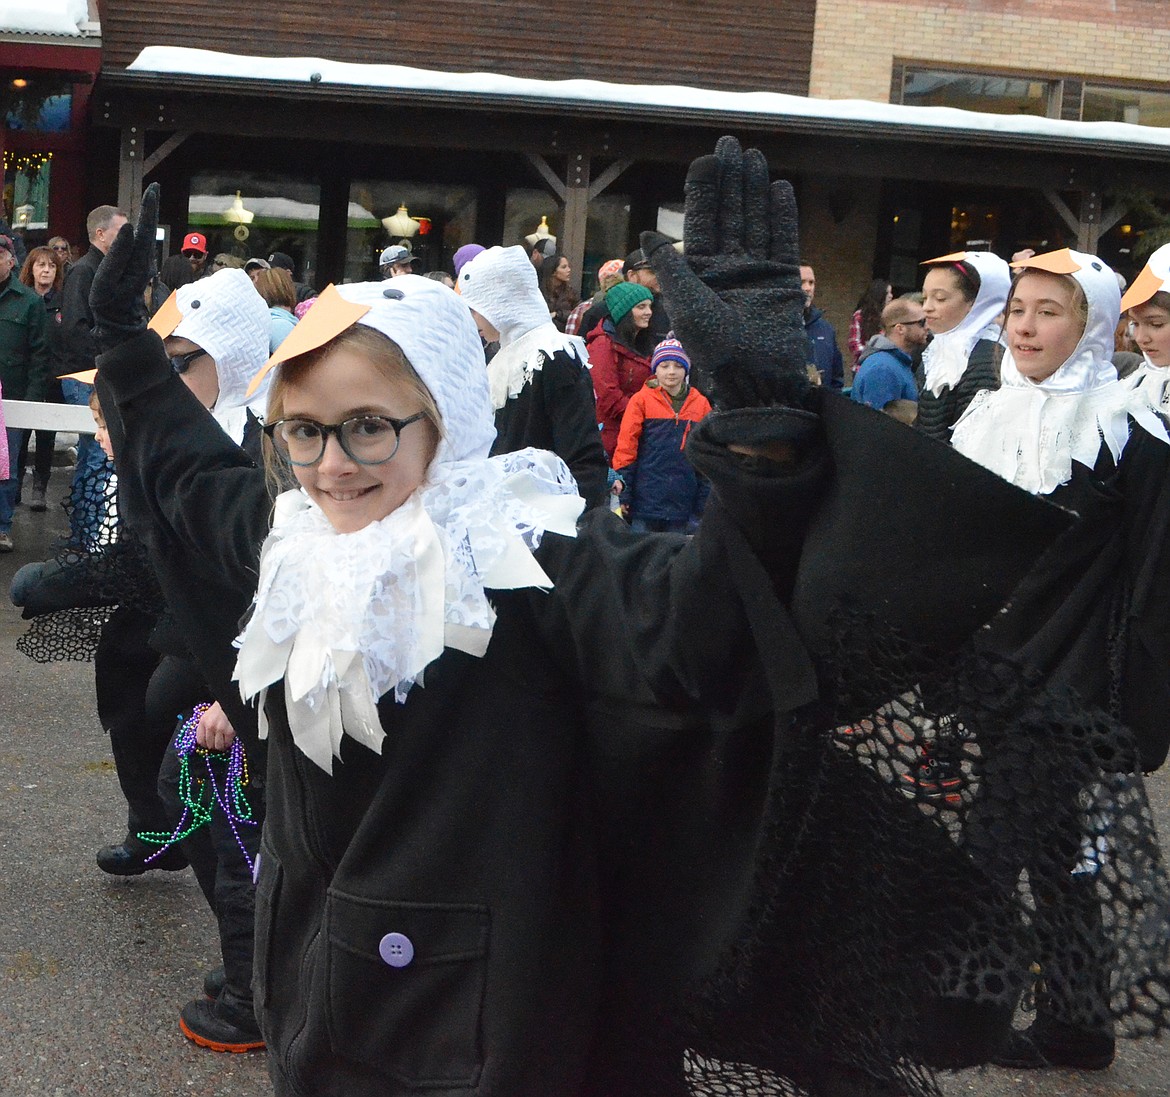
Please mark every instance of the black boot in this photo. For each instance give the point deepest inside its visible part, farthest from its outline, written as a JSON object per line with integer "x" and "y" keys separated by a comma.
{"x": 226, "y": 1024}
{"x": 1049, "y": 1043}
{"x": 130, "y": 858}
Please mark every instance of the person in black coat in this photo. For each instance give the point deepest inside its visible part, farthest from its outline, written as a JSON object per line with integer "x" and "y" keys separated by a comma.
{"x": 540, "y": 385}
{"x": 521, "y": 878}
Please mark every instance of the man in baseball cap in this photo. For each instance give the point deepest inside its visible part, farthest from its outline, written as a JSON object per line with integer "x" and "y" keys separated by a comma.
{"x": 396, "y": 260}
{"x": 195, "y": 249}
{"x": 637, "y": 269}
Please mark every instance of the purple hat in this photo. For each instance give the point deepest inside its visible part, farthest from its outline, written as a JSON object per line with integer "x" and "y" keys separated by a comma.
{"x": 670, "y": 350}
{"x": 465, "y": 254}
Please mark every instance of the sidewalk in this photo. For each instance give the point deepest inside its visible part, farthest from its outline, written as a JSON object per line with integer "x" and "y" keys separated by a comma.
{"x": 94, "y": 969}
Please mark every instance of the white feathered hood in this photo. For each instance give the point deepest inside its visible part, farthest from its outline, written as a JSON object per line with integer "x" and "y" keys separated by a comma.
{"x": 1030, "y": 433}
{"x": 502, "y": 285}
{"x": 945, "y": 360}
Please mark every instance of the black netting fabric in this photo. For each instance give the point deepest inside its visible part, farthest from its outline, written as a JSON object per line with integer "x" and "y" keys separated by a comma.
{"x": 948, "y": 836}
{"x": 100, "y": 565}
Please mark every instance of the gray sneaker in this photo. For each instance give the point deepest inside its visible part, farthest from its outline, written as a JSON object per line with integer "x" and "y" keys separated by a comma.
{"x": 37, "y": 502}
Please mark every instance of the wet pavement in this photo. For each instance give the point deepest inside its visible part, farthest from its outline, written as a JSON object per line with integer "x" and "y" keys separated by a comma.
{"x": 94, "y": 969}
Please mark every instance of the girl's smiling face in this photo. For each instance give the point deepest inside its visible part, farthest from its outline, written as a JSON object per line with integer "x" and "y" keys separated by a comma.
{"x": 1044, "y": 323}
{"x": 343, "y": 384}
{"x": 943, "y": 301}
{"x": 642, "y": 313}
{"x": 1150, "y": 328}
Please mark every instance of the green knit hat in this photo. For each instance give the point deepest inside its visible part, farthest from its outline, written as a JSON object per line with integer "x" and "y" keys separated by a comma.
{"x": 623, "y": 297}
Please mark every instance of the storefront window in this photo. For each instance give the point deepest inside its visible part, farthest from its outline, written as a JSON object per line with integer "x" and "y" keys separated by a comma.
{"x": 445, "y": 217}
{"x": 273, "y": 213}
{"x": 985, "y": 92}
{"x": 607, "y": 226}
{"x": 1144, "y": 108}
{"x": 26, "y": 190}
{"x": 37, "y": 105}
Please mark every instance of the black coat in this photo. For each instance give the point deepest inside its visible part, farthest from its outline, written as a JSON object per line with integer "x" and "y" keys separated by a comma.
{"x": 937, "y": 415}
{"x": 77, "y": 345}
{"x": 556, "y": 411}
{"x": 567, "y": 830}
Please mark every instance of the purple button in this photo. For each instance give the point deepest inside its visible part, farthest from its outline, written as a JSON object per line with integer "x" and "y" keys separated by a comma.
{"x": 396, "y": 949}
{"x": 256, "y": 870}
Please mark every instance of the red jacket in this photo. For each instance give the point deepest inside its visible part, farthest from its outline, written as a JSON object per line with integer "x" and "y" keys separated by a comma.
{"x": 618, "y": 372}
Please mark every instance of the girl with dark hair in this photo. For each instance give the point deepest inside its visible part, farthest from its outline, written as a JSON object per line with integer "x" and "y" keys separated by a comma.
{"x": 620, "y": 369}
{"x": 44, "y": 273}
{"x": 555, "y": 273}
{"x": 867, "y": 319}
{"x": 963, "y": 297}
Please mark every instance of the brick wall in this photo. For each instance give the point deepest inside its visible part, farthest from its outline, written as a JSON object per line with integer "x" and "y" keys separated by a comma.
{"x": 856, "y": 41}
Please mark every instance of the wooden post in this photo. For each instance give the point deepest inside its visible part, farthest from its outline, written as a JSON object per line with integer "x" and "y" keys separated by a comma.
{"x": 130, "y": 169}
{"x": 576, "y": 215}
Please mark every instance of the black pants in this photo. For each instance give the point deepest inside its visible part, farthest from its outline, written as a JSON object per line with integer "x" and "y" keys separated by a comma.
{"x": 124, "y": 665}
{"x": 220, "y": 866}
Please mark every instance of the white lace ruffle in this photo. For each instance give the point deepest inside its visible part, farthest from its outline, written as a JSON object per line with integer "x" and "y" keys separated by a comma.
{"x": 514, "y": 364}
{"x": 346, "y": 618}
{"x": 1031, "y": 438}
{"x": 945, "y": 360}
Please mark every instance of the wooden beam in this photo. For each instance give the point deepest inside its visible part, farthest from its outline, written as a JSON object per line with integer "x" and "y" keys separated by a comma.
{"x": 547, "y": 174}
{"x": 1066, "y": 215}
{"x": 130, "y": 169}
{"x": 607, "y": 177}
{"x": 164, "y": 150}
{"x": 577, "y": 195}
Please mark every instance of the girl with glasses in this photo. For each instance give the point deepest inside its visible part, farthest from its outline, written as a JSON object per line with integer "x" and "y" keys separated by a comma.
{"x": 535, "y": 784}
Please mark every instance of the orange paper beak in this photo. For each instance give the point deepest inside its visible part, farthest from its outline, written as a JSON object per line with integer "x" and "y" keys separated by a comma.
{"x": 168, "y": 317}
{"x": 328, "y": 317}
{"x": 1145, "y": 285}
{"x": 954, "y": 257}
{"x": 86, "y": 376}
{"x": 1053, "y": 262}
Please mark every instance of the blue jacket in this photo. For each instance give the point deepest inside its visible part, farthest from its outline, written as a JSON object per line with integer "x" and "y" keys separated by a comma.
{"x": 886, "y": 375}
{"x": 823, "y": 351}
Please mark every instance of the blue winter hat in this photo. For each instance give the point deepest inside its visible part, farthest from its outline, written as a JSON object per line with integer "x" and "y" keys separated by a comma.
{"x": 623, "y": 297}
{"x": 670, "y": 350}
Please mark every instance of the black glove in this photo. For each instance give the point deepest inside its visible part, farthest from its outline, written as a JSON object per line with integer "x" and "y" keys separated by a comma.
{"x": 117, "y": 296}
{"x": 735, "y": 301}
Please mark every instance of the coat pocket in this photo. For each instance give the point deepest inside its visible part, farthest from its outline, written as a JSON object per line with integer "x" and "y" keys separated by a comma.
{"x": 269, "y": 876}
{"x": 406, "y": 986}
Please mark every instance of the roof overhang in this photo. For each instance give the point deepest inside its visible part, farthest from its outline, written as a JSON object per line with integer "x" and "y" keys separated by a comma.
{"x": 208, "y": 92}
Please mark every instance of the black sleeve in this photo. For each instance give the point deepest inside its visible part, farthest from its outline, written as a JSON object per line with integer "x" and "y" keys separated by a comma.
{"x": 179, "y": 473}
{"x": 665, "y": 619}
{"x": 571, "y": 412}
{"x": 78, "y": 347}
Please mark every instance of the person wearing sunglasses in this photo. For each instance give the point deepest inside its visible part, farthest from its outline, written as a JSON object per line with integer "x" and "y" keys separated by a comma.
{"x": 885, "y": 380}
{"x": 62, "y": 252}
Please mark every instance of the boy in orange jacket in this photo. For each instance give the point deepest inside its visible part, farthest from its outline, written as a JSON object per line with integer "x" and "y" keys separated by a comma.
{"x": 656, "y": 483}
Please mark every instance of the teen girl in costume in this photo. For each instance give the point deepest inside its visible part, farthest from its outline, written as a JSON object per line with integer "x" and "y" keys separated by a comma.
{"x": 1095, "y": 613}
{"x": 963, "y": 297}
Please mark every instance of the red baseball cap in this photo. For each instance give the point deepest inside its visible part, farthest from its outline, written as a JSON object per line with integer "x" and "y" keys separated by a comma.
{"x": 195, "y": 241}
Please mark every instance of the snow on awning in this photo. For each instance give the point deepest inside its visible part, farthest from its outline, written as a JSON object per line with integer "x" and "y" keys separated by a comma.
{"x": 66, "y": 17}
{"x": 667, "y": 99}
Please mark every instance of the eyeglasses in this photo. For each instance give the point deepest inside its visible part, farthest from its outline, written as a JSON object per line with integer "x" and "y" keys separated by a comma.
{"x": 60, "y": 247}
{"x": 366, "y": 439}
{"x": 920, "y": 323}
{"x": 180, "y": 363}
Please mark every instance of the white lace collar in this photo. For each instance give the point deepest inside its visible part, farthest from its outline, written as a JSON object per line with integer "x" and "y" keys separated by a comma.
{"x": 1030, "y": 434}
{"x": 515, "y": 363}
{"x": 347, "y": 618}
{"x": 1153, "y": 382}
